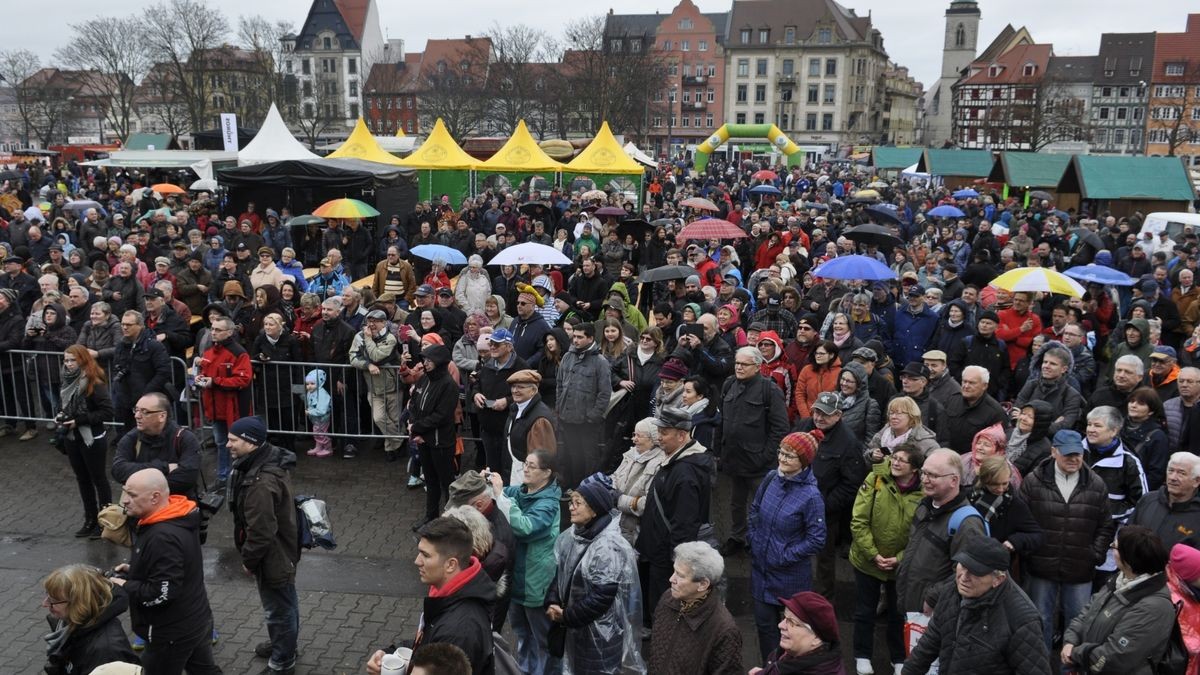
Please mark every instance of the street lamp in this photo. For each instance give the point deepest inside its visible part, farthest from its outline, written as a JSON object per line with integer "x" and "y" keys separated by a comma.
{"x": 670, "y": 119}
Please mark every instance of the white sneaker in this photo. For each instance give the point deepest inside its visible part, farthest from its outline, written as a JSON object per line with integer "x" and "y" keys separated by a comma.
{"x": 863, "y": 667}
{"x": 897, "y": 668}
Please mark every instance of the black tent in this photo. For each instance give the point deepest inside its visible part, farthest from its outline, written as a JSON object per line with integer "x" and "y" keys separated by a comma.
{"x": 213, "y": 139}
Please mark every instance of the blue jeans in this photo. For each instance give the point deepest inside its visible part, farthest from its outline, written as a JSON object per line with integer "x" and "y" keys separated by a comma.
{"x": 866, "y": 595}
{"x": 221, "y": 438}
{"x": 766, "y": 622}
{"x": 531, "y": 626}
{"x": 282, "y": 607}
{"x": 1051, "y": 596}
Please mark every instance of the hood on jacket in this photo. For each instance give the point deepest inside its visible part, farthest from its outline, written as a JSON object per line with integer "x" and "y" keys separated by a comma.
{"x": 316, "y": 375}
{"x": 499, "y": 303}
{"x": 1142, "y": 326}
{"x": 215, "y": 306}
{"x": 273, "y": 296}
{"x": 961, "y": 306}
{"x": 564, "y": 340}
{"x": 438, "y": 355}
{"x": 736, "y": 319}
{"x": 1035, "y": 364}
{"x": 995, "y": 434}
{"x": 695, "y": 307}
{"x": 619, "y": 287}
{"x": 860, "y": 374}
{"x": 60, "y": 317}
{"x": 773, "y": 337}
{"x": 545, "y": 283}
{"x": 1043, "y": 416}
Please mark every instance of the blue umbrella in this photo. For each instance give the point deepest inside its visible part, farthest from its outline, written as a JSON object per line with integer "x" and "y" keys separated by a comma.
{"x": 854, "y": 267}
{"x": 1099, "y": 274}
{"x": 965, "y": 193}
{"x": 816, "y": 205}
{"x": 945, "y": 211}
{"x": 765, "y": 190}
{"x": 452, "y": 256}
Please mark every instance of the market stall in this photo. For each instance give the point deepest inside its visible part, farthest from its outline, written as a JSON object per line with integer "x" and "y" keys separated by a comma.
{"x": 441, "y": 165}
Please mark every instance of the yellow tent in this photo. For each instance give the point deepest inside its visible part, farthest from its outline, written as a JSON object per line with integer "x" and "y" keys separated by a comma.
{"x": 520, "y": 154}
{"x": 604, "y": 155}
{"x": 362, "y": 145}
{"x": 399, "y": 132}
{"x": 439, "y": 151}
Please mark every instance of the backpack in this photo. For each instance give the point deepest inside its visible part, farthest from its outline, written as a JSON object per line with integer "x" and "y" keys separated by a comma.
{"x": 964, "y": 511}
{"x": 313, "y": 528}
{"x": 1174, "y": 659}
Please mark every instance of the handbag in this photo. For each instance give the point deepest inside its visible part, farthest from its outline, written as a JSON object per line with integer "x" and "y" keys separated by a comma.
{"x": 114, "y": 524}
{"x": 706, "y": 533}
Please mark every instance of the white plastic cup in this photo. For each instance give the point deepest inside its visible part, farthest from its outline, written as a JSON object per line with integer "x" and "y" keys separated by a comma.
{"x": 393, "y": 665}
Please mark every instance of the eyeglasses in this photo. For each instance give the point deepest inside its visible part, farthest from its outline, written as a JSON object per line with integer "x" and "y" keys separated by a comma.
{"x": 796, "y": 624}
{"x": 142, "y": 412}
{"x": 820, "y": 353}
{"x": 896, "y": 459}
{"x": 646, "y": 338}
{"x": 522, "y": 303}
{"x": 789, "y": 456}
{"x": 933, "y": 476}
{"x": 47, "y": 602}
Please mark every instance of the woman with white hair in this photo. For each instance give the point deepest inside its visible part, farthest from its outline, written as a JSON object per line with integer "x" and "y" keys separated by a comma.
{"x": 632, "y": 478}
{"x": 693, "y": 631}
{"x": 474, "y": 287}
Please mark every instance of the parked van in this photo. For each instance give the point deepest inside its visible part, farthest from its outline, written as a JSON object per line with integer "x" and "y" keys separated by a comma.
{"x": 1173, "y": 223}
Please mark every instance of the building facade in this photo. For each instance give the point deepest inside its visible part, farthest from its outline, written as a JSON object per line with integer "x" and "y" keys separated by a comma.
{"x": 901, "y": 93}
{"x": 1173, "y": 117}
{"x": 958, "y": 51}
{"x": 997, "y": 104}
{"x": 812, "y": 67}
{"x": 1120, "y": 93}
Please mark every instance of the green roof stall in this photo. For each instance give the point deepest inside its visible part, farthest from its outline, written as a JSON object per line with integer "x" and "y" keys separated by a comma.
{"x": 1123, "y": 185}
{"x": 957, "y": 168}
{"x": 894, "y": 159}
{"x": 1029, "y": 169}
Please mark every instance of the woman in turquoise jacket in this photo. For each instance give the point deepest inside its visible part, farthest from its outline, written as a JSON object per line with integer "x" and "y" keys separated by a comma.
{"x": 532, "y": 510}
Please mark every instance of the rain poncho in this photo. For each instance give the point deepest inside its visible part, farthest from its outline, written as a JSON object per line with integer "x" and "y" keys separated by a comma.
{"x": 600, "y": 557}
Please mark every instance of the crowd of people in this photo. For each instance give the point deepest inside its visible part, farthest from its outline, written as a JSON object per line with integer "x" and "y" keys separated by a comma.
{"x": 1009, "y": 473}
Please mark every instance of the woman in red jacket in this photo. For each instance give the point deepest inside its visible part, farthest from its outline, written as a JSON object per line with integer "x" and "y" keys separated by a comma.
{"x": 224, "y": 381}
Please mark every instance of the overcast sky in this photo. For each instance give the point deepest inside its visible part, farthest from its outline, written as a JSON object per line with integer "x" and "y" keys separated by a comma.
{"x": 912, "y": 30}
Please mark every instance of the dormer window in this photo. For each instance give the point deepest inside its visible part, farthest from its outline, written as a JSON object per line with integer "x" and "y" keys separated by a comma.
{"x": 1029, "y": 70}
{"x": 994, "y": 70}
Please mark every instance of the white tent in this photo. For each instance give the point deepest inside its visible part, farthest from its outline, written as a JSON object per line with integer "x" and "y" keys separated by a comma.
{"x": 199, "y": 161}
{"x": 639, "y": 156}
{"x": 273, "y": 143}
{"x": 911, "y": 173}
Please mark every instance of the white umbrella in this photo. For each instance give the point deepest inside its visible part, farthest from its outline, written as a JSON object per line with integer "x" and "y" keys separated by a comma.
{"x": 530, "y": 254}
{"x": 205, "y": 185}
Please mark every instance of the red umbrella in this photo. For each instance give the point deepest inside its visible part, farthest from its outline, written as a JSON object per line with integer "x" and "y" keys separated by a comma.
{"x": 710, "y": 228}
{"x": 699, "y": 203}
{"x": 765, "y": 174}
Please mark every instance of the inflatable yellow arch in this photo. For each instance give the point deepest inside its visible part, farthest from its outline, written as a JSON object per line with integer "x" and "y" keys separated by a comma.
{"x": 795, "y": 156}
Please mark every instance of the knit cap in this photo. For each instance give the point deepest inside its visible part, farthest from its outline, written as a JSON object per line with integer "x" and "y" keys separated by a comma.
{"x": 673, "y": 370}
{"x": 1185, "y": 561}
{"x": 803, "y": 444}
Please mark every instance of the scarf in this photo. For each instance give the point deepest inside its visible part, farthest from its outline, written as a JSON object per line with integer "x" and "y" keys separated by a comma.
{"x": 690, "y": 606}
{"x": 954, "y": 324}
{"x": 1123, "y": 582}
{"x": 839, "y": 341}
{"x": 1018, "y": 441}
{"x": 644, "y": 355}
{"x": 74, "y": 403}
{"x": 990, "y": 505}
{"x": 697, "y": 407}
{"x": 888, "y": 440}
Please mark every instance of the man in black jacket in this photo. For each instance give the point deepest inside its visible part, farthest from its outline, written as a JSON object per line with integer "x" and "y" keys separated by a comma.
{"x": 15, "y": 395}
{"x": 985, "y": 350}
{"x": 474, "y": 489}
{"x": 460, "y": 616}
{"x": 677, "y": 503}
{"x": 16, "y": 278}
{"x": 356, "y": 242}
{"x": 264, "y": 531}
{"x": 158, "y": 443}
{"x": 140, "y": 365}
{"x": 1173, "y": 510}
{"x": 839, "y": 469}
{"x": 331, "y": 341}
{"x": 431, "y": 424}
{"x": 970, "y": 412}
{"x": 164, "y": 578}
{"x": 988, "y": 625}
{"x": 492, "y": 398}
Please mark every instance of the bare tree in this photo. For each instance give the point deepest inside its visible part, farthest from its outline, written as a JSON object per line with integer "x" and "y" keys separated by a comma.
{"x": 263, "y": 38}
{"x": 516, "y": 76}
{"x": 1172, "y": 122}
{"x": 16, "y": 67}
{"x": 159, "y": 98}
{"x": 1058, "y": 114}
{"x": 175, "y": 32}
{"x": 320, "y": 109}
{"x": 103, "y": 45}
{"x": 456, "y": 90}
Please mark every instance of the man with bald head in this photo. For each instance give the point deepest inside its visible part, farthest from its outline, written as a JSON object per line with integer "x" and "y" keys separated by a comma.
{"x": 164, "y": 578}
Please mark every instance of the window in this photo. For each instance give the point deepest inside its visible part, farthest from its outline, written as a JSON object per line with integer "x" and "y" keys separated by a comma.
{"x": 743, "y": 68}
{"x": 1029, "y": 70}
{"x": 683, "y": 45}
{"x": 353, "y": 88}
{"x": 764, "y": 36}
{"x": 1118, "y": 137}
{"x": 658, "y": 96}
{"x": 1122, "y": 113}
{"x": 666, "y": 45}
{"x": 1106, "y": 92}
{"x": 784, "y": 121}
{"x": 712, "y": 71}
{"x": 789, "y": 67}
{"x": 330, "y": 88}
{"x": 1196, "y": 113}
{"x": 672, "y": 70}
{"x": 1174, "y": 69}
{"x": 702, "y": 45}
{"x": 711, "y": 96}
{"x": 411, "y": 126}
{"x": 814, "y": 67}
{"x": 685, "y": 121}
{"x": 635, "y": 45}
{"x": 1138, "y": 114}
{"x": 827, "y": 122}
{"x": 708, "y": 120}
{"x": 976, "y": 94}
{"x": 307, "y": 88}
{"x": 1135, "y": 138}
{"x": 760, "y": 68}
{"x": 742, "y": 93}
{"x": 1110, "y": 66}
{"x": 658, "y": 120}
{"x": 687, "y": 95}
{"x": 745, "y": 35}
{"x": 814, "y": 93}
{"x": 614, "y": 45}
{"x": 326, "y": 43}
{"x": 830, "y": 67}
{"x": 328, "y": 65}
{"x": 308, "y": 110}
{"x": 740, "y": 118}
{"x": 786, "y": 94}
{"x": 960, "y": 36}
{"x": 671, "y": 122}
{"x": 830, "y": 94}
{"x": 352, "y": 66}
{"x": 997, "y": 94}
{"x": 824, "y": 36}
{"x": 810, "y": 122}
{"x": 671, "y": 95}
{"x": 760, "y": 93}
{"x": 685, "y": 24}
{"x": 288, "y": 65}
{"x": 759, "y": 118}
{"x": 687, "y": 70}
{"x": 1135, "y": 68}
{"x": 306, "y": 66}
{"x": 354, "y": 110}
{"x": 696, "y": 121}
{"x": 993, "y": 70}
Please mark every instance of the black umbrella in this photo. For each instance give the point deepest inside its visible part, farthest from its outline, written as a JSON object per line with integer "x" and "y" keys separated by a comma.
{"x": 873, "y": 234}
{"x": 1041, "y": 194}
{"x": 667, "y": 273}
{"x": 533, "y": 208}
{"x": 883, "y": 213}
{"x": 635, "y": 226}
{"x": 10, "y": 175}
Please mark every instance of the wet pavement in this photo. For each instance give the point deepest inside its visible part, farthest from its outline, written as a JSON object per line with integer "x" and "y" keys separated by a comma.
{"x": 363, "y": 595}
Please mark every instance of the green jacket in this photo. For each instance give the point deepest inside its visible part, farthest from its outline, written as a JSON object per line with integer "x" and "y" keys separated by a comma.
{"x": 880, "y": 520}
{"x": 1119, "y": 347}
{"x": 534, "y": 519}
{"x": 632, "y": 314}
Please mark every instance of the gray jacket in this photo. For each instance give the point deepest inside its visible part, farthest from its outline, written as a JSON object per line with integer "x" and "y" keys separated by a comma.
{"x": 584, "y": 387}
{"x": 1123, "y": 631}
{"x": 381, "y": 352}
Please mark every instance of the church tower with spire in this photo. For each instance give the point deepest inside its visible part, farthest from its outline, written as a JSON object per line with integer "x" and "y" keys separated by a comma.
{"x": 958, "y": 51}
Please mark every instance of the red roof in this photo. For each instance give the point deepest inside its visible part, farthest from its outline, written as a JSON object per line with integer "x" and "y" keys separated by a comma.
{"x": 1178, "y": 48}
{"x": 354, "y": 13}
{"x": 1012, "y": 65}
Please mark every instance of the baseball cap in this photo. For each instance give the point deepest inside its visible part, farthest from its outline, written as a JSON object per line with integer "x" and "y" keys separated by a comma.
{"x": 828, "y": 402}
{"x": 983, "y": 555}
{"x": 501, "y": 335}
{"x": 424, "y": 289}
{"x": 915, "y": 290}
{"x": 152, "y": 293}
{"x": 445, "y": 291}
{"x": 1067, "y": 442}
{"x": 1166, "y": 351}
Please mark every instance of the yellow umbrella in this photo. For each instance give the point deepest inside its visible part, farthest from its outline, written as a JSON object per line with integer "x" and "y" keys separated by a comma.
{"x": 866, "y": 194}
{"x": 1038, "y": 279}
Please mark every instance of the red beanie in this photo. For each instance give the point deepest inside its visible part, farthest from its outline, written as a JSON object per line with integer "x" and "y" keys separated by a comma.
{"x": 803, "y": 444}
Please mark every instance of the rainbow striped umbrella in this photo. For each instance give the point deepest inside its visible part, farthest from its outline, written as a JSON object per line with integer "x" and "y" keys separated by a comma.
{"x": 1038, "y": 279}
{"x": 345, "y": 208}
